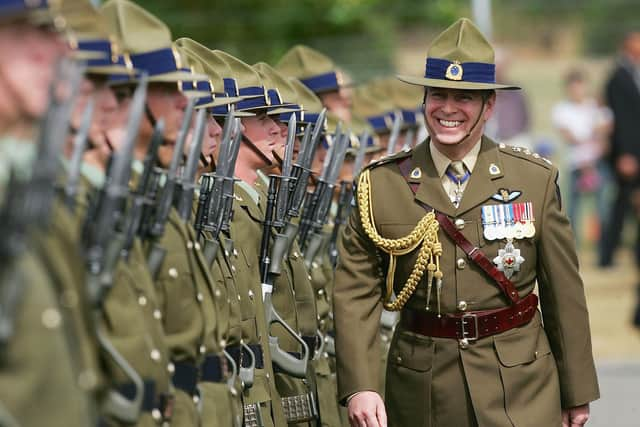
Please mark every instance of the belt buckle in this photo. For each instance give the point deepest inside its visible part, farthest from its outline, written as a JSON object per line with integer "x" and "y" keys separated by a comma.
{"x": 465, "y": 338}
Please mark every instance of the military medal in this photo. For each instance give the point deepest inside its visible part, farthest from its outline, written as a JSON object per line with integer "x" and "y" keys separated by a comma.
{"x": 488, "y": 222}
{"x": 508, "y": 260}
{"x": 518, "y": 222}
{"x": 529, "y": 228}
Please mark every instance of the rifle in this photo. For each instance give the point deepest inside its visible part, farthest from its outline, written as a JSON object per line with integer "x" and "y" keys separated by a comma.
{"x": 344, "y": 200}
{"x": 395, "y": 133}
{"x": 164, "y": 201}
{"x": 104, "y": 241}
{"x": 140, "y": 199}
{"x": 315, "y": 214}
{"x": 301, "y": 172}
{"x": 409, "y": 139}
{"x": 80, "y": 142}
{"x": 216, "y": 190}
{"x": 186, "y": 185}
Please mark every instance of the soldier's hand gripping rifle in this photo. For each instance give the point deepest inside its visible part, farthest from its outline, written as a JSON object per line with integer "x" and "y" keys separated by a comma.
{"x": 395, "y": 133}
{"x": 164, "y": 201}
{"x": 301, "y": 172}
{"x": 104, "y": 239}
{"x": 344, "y": 200}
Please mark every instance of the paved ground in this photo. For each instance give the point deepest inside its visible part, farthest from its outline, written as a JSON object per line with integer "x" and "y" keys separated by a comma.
{"x": 611, "y": 295}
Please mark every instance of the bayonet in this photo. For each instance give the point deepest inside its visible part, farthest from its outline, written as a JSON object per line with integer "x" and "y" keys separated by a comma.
{"x": 80, "y": 142}
{"x": 395, "y": 133}
{"x": 187, "y": 183}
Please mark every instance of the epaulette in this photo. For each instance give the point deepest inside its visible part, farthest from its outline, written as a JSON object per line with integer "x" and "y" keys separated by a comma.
{"x": 389, "y": 159}
{"x": 526, "y": 154}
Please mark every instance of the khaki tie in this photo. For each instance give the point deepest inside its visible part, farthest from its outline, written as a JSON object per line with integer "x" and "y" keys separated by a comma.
{"x": 457, "y": 173}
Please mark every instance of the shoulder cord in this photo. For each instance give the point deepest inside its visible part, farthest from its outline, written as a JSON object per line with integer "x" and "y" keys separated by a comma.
{"x": 425, "y": 234}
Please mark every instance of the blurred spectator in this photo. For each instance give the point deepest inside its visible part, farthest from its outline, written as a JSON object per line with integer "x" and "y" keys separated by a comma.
{"x": 584, "y": 126}
{"x": 623, "y": 97}
{"x": 510, "y": 121}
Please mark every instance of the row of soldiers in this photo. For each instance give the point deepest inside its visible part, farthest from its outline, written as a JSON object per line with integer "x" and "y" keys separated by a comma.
{"x": 169, "y": 221}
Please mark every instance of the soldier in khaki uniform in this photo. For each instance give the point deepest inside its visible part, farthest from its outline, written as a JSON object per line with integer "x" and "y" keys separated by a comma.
{"x": 470, "y": 348}
{"x": 38, "y": 360}
{"x": 186, "y": 290}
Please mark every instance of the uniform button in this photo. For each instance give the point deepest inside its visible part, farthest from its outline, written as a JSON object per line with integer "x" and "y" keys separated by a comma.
{"x": 398, "y": 359}
{"x": 189, "y": 245}
{"x": 87, "y": 380}
{"x": 223, "y": 343}
{"x": 233, "y": 268}
{"x": 314, "y": 264}
{"x": 51, "y": 318}
{"x": 462, "y": 305}
{"x": 295, "y": 255}
{"x": 171, "y": 368}
{"x": 226, "y": 253}
{"x": 157, "y": 314}
{"x": 217, "y": 293}
{"x": 535, "y": 354}
{"x": 197, "y": 246}
{"x": 235, "y": 252}
{"x": 155, "y": 355}
{"x": 459, "y": 223}
{"x": 203, "y": 349}
{"x": 196, "y": 399}
{"x": 156, "y": 414}
{"x": 142, "y": 300}
{"x": 309, "y": 277}
{"x": 173, "y": 273}
{"x": 199, "y": 296}
{"x": 320, "y": 292}
{"x": 463, "y": 343}
{"x": 251, "y": 294}
{"x": 461, "y": 263}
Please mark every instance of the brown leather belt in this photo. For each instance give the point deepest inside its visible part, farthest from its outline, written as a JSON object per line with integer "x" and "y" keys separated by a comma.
{"x": 472, "y": 325}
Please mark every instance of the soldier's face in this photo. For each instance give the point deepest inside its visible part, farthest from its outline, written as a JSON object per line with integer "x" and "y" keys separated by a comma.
{"x": 27, "y": 69}
{"x": 451, "y": 114}
{"x": 263, "y": 132}
{"x": 339, "y": 103}
{"x": 165, "y": 102}
{"x": 104, "y": 112}
{"x": 212, "y": 137}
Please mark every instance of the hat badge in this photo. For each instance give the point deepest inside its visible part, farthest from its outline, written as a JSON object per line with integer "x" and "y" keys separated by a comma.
{"x": 454, "y": 71}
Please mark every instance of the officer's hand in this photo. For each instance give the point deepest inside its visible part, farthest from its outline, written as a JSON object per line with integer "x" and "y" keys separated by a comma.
{"x": 627, "y": 166}
{"x": 575, "y": 417}
{"x": 366, "y": 409}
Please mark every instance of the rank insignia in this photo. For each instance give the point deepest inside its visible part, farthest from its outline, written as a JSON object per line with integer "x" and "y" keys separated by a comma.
{"x": 416, "y": 173}
{"x": 509, "y": 259}
{"x": 454, "y": 71}
{"x": 504, "y": 195}
{"x": 494, "y": 169}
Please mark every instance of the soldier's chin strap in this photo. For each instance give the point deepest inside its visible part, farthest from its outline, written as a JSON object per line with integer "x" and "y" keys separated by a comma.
{"x": 256, "y": 150}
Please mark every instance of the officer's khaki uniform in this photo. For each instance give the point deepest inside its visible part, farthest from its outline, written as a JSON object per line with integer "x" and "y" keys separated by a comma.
{"x": 520, "y": 377}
